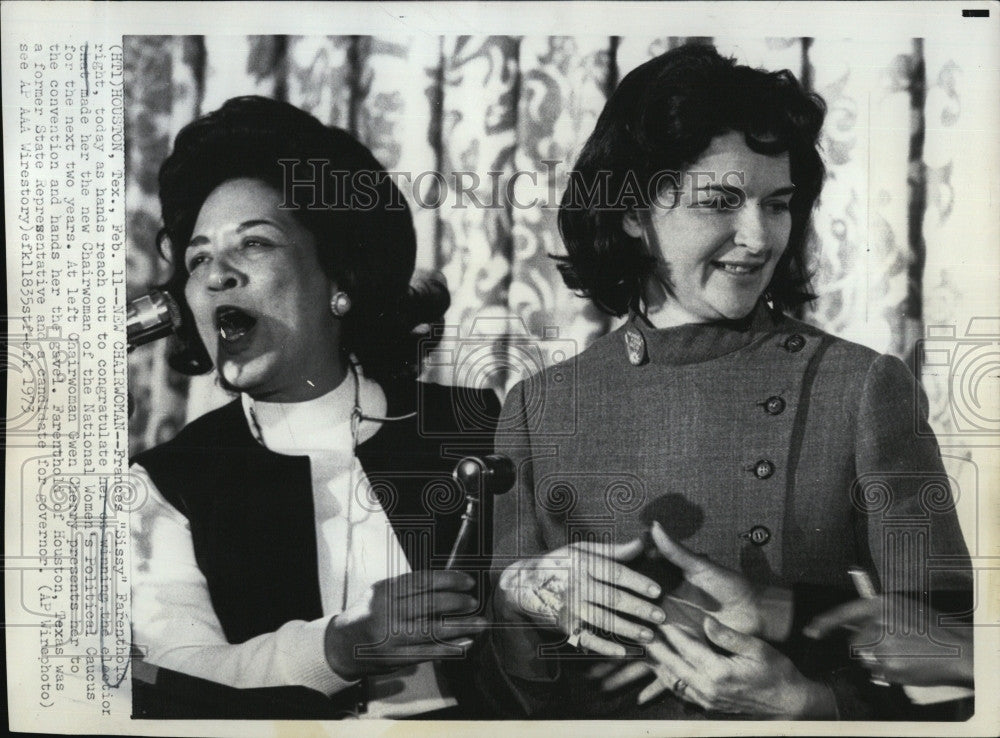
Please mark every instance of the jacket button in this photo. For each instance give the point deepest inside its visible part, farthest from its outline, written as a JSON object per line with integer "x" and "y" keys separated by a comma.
{"x": 763, "y": 469}
{"x": 774, "y": 405}
{"x": 794, "y": 343}
{"x": 758, "y": 535}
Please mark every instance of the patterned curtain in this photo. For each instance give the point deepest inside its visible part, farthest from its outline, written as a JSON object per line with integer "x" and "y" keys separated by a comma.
{"x": 501, "y": 105}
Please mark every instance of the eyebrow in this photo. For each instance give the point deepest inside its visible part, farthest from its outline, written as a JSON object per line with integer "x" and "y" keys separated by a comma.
{"x": 244, "y": 226}
{"x": 781, "y": 191}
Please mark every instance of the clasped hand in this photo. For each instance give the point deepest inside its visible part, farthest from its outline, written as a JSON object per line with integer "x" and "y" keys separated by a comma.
{"x": 582, "y": 588}
{"x": 400, "y": 621}
{"x": 742, "y": 673}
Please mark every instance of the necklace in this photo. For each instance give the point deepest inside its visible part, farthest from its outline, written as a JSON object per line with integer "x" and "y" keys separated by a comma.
{"x": 357, "y": 417}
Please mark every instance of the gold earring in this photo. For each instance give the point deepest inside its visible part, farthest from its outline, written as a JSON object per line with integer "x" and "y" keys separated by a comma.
{"x": 340, "y": 304}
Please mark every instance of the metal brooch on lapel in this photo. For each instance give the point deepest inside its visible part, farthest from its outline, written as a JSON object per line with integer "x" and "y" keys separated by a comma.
{"x": 635, "y": 345}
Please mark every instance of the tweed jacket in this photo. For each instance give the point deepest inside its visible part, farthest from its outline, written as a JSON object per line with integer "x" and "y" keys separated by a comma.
{"x": 766, "y": 444}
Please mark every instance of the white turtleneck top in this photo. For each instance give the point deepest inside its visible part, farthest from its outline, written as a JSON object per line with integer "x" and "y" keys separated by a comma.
{"x": 172, "y": 615}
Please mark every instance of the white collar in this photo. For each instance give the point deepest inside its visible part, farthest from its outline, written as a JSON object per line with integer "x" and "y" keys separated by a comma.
{"x": 317, "y": 425}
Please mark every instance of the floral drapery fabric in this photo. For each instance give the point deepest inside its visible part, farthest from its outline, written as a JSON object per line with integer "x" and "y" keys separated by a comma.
{"x": 515, "y": 111}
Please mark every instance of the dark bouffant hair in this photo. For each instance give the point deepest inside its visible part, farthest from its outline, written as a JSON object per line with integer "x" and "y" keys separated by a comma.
{"x": 662, "y": 117}
{"x": 363, "y": 228}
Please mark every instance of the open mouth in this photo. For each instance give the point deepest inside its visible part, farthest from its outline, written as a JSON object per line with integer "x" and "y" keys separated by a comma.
{"x": 737, "y": 268}
{"x": 232, "y": 323}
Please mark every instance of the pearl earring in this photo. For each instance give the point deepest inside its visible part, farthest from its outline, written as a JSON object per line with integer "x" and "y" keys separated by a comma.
{"x": 340, "y": 304}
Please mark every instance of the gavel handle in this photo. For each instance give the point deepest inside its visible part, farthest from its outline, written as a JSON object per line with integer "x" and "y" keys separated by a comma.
{"x": 470, "y": 522}
{"x": 480, "y": 478}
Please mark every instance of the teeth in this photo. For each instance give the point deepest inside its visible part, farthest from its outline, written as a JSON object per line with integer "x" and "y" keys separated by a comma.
{"x": 737, "y": 268}
{"x": 232, "y": 323}
{"x": 231, "y": 334}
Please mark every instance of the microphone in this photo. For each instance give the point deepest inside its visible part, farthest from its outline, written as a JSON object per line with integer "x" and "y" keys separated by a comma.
{"x": 151, "y": 317}
{"x": 481, "y": 477}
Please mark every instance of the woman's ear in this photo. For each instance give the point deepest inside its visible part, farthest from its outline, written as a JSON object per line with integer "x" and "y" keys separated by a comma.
{"x": 632, "y": 224}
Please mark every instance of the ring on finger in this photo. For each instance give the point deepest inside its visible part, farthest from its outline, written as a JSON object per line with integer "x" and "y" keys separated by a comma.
{"x": 679, "y": 686}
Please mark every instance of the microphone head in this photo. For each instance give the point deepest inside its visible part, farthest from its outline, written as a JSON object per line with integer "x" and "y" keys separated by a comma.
{"x": 173, "y": 309}
{"x": 150, "y": 317}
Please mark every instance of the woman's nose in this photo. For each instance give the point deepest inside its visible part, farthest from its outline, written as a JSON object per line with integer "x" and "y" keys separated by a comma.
{"x": 750, "y": 232}
{"x": 222, "y": 275}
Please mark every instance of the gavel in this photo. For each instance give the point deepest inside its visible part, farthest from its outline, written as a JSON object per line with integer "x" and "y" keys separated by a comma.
{"x": 481, "y": 478}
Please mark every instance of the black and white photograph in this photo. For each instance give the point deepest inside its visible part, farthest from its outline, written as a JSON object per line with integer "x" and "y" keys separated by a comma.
{"x": 476, "y": 362}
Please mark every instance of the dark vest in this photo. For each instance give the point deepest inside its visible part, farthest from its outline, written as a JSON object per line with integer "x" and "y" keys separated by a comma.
{"x": 251, "y": 510}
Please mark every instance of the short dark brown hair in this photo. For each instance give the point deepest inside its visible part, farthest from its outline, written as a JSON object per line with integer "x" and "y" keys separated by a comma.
{"x": 662, "y": 117}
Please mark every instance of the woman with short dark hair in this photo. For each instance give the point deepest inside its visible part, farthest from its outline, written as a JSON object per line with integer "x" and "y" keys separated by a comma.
{"x": 291, "y": 542}
{"x": 657, "y": 125}
{"x": 783, "y": 455}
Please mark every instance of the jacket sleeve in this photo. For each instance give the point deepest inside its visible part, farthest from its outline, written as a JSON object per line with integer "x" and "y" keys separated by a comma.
{"x": 175, "y": 625}
{"x": 514, "y": 676}
{"x": 904, "y": 511}
{"x": 902, "y": 490}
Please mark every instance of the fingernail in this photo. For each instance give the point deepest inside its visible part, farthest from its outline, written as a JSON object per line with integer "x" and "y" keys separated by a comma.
{"x": 654, "y": 591}
{"x": 646, "y": 635}
{"x": 659, "y": 616}
{"x": 810, "y": 632}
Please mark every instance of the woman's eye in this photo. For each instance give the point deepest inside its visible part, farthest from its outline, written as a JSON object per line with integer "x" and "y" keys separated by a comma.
{"x": 726, "y": 201}
{"x": 255, "y": 243}
{"x": 777, "y": 207}
{"x": 195, "y": 261}
{"x": 709, "y": 202}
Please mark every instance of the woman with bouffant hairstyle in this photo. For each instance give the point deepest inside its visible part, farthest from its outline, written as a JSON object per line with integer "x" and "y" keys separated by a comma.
{"x": 290, "y": 554}
{"x": 709, "y": 422}
{"x": 339, "y": 192}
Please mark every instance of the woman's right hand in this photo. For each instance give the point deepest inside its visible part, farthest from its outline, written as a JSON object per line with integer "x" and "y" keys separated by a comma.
{"x": 399, "y": 622}
{"x": 582, "y": 586}
{"x": 726, "y": 595}
{"x": 885, "y": 632}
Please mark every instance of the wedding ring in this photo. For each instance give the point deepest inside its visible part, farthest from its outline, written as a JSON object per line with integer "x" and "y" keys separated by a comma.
{"x": 679, "y": 686}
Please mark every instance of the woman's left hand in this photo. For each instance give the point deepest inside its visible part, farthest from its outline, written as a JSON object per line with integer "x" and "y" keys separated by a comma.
{"x": 753, "y": 678}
